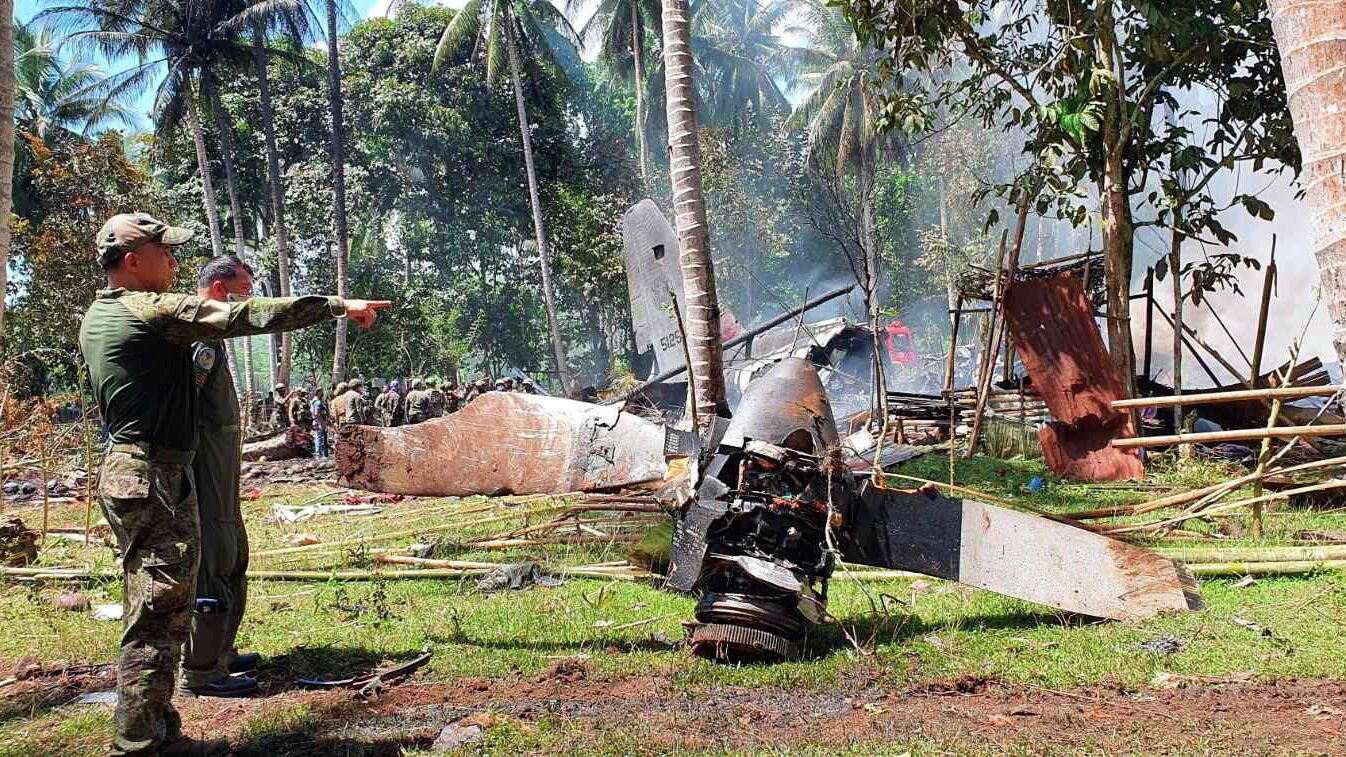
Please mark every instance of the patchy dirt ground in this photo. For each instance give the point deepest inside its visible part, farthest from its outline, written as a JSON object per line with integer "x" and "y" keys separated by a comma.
{"x": 969, "y": 714}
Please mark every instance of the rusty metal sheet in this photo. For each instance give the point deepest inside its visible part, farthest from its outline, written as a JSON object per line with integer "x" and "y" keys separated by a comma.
{"x": 506, "y": 443}
{"x": 1087, "y": 454}
{"x": 1053, "y": 328}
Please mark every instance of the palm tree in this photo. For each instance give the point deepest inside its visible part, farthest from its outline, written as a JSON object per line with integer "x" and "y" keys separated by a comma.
{"x": 740, "y": 53}
{"x": 188, "y": 38}
{"x": 621, "y": 27}
{"x": 336, "y": 150}
{"x": 498, "y": 28}
{"x": 840, "y": 114}
{"x": 294, "y": 22}
{"x": 1309, "y": 37}
{"x": 6, "y": 148}
{"x": 702, "y": 319}
{"x": 58, "y": 97}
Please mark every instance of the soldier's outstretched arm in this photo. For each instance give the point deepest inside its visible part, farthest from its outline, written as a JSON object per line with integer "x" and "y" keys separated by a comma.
{"x": 188, "y": 318}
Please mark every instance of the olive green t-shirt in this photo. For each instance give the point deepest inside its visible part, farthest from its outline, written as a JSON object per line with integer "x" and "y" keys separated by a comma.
{"x": 138, "y": 347}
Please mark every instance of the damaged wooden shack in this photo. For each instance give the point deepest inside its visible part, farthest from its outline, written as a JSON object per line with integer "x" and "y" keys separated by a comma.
{"x": 1041, "y": 376}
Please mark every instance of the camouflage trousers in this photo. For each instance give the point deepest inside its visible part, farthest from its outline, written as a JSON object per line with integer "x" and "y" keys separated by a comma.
{"x": 151, "y": 508}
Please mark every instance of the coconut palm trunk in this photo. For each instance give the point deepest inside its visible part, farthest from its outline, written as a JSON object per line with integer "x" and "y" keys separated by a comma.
{"x": 543, "y": 252}
{"x": 203, "y": 166}
{"x": 1311, "y": 36}
{"x": 337, "y": 153}
{"x": 702, "y": 318}
{"x": 277, "y": 191}
{"x": 639, "y": 88}
{"x": 7, "y": 85}
{"x": 226, "y": 131}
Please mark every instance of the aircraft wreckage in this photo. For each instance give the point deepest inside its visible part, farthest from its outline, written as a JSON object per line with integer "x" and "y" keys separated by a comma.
{"x": 765, "y": 508}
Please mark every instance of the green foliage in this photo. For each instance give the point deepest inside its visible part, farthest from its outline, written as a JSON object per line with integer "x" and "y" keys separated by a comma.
{"x": 75, "y": 185}
{"x": 1037, "y": 66}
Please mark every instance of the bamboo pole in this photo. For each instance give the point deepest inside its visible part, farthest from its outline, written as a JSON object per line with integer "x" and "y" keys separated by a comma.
{"x": 1182, "y": 337}
{"x": 1242, "y": 434}
{"x": 1005, "y": 271}
{"x": 1175, "y": 272}
{"x": 1266, "y": 568}
{"x": 1240, "y": 395}
{"x": 313, "y": 548}
{"x": 1268, "y": 282}
{"x": 1187, "y": 496}
{"x": 1256, "y": 554}
{"x": 46, "y": 496}
{"x": 949, "y": 366}
{"x": 1205, "y": 509}
{"x": 1149, "y": 323}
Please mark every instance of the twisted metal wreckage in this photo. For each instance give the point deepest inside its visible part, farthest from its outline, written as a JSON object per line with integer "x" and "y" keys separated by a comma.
{"x": 765, "y": 507}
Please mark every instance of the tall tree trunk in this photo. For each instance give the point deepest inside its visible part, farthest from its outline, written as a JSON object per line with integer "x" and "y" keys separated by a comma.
{"x": 689, "y": 202}
{"x": 1115, "y": 199}
{"x": 7, "y": 86}
{"x": 865, "y": 183}
{"x": 336, "y": 151}
{"x": 1118, "y": 246}
{"x": 226, "y": 131}
{"x": 1311, "y": 36}
{"x": 203, "y": 166}
{"x": 277, "y": 191}
{"x": 639, "y": 72}
{"x": 543, "y": 252}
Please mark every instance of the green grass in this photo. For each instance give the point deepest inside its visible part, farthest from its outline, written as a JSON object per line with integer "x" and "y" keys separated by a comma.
{"x": 930, "y": 629}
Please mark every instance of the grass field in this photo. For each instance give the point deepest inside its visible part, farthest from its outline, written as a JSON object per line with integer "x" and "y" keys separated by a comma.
{"x": 589, "y": 638}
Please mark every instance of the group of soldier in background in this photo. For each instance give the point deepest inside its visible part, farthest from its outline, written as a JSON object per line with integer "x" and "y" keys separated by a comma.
{"x": 317, "y": 412}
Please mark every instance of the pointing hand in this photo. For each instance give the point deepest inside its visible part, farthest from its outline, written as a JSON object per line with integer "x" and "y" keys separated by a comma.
{"x": 363, "y": 312}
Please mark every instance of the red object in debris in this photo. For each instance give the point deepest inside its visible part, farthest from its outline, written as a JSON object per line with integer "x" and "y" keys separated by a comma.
{"x": 901, "y": 348}
{"x": 383, "y": 498}
{"x": 252, "y": 495}
{"x": 1053, "y": 327}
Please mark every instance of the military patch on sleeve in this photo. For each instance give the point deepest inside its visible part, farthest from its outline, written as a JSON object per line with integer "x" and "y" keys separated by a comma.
{"x": 203, "y": 362}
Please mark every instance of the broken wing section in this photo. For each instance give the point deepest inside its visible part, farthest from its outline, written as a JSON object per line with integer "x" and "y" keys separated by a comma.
{"x": 506, "y": 443}
{"x": 1015, "y": 554}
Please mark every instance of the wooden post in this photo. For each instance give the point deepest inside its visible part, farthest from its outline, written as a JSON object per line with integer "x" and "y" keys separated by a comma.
{"x": 46, "y": 499}
{"x": 1149, "y": 323}
{"x": 1175, "y": 274}
{"x": 953, "y": 346}
{"x": 986, "y": 361}
{"x": 1268, "y": 282}
{"x": 88, "y": 454}
{"x": 1010, "y": 267}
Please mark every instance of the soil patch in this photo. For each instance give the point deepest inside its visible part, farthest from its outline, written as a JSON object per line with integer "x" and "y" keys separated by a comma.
{"x": 1236, "y": 717}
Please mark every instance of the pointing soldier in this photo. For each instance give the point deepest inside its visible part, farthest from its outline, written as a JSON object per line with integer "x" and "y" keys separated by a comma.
{"x": 136, "y": 340}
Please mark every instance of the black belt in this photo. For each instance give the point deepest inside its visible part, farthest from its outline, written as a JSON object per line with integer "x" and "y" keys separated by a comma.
{"x": 155, "y": 452}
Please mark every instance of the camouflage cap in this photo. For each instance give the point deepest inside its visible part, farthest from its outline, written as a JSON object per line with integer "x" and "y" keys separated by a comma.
{"x": 126, "y": 231}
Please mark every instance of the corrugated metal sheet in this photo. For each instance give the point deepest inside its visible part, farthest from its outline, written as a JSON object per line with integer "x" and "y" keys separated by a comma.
{"x": 1053, "y": 328}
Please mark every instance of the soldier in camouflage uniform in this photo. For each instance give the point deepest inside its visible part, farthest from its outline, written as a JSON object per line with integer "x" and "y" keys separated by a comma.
{"x": 385, "y": 406}
{"x": 452, "y": 399}
{"x": 338, "y": 403}
{"x": 354, "y": 405}
{"x": 438, "y": 404}
{"x": 137, "y": 343}
{"x": 299, "y": 412}
{"x": 418, "y": 403}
